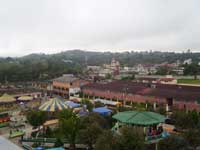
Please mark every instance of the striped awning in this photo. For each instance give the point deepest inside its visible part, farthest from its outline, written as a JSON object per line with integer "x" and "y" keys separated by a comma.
{"x": 5, "y": 98}
{"x": 25, "y": 98}
{"x": 53, "y": 105}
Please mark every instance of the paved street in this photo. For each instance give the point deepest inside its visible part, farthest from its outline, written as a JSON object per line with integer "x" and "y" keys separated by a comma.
{"x": 4, "y": 132}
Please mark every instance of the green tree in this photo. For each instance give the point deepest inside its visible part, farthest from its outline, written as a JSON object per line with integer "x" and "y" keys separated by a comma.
{"x": 130, "y": 139}
{"x": 161, "y": 110}
{"x": 94, "y": 118}
{"x": 99, "y": 104}
{"x": 195, "y": 116}
{"x": 36, "y": 118}
{"x": 70, "y": 126}
{"x": 58, "y": 143}
{"x": 193, "y": 137}
{"x": 89, "y": 105}
{"x": 90, "y": 134}
{"x": 183, "y": 119}
{"x": 128, "y": 78}
{"x": 106, "y": 141}
{"x": 192, "y": 69}
{"x": 91, "y": 127}
{"x": 163, "y": 71}
{"x": 65, "y": 114}
{"x": 173, "y": 143}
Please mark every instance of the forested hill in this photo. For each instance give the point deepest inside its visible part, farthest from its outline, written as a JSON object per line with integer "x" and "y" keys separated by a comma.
{"x": 41, "y": 66}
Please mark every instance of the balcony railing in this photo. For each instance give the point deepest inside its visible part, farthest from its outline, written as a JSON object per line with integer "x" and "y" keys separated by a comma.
{"x": 61, "y": 91}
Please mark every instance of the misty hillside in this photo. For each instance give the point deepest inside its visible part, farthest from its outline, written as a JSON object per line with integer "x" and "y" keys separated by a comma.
{"x": 128, "y": 58}
{"x": 42, "y": 66}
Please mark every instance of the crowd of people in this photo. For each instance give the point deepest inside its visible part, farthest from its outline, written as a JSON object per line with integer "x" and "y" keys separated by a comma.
{"x": 153, "y": 131}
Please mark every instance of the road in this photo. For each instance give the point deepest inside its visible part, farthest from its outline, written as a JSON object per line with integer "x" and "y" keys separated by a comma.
{"x": 4, "y": 132}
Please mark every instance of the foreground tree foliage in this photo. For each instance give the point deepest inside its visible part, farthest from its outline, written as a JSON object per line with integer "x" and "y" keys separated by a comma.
{"x": 193, "y": 137}
{"x": 173, "y": 143}
{"x": 92, "y": 127}
{"x": 94, "y": 131}
{"x": 129, "y": 139}
{"x": 106, "y": 141}
{"x": 90, "y": 134}
{"x": 94, "y": 118}
{"x": 65, "y": 114}
{"x": 58, "y": 143}
{"x": 69, "y": 125}
{"x": 36, "y": 118}
{"x": 186, "y": 120}
{"x": 88, "y": 104}
{"x": 99, "y": 104}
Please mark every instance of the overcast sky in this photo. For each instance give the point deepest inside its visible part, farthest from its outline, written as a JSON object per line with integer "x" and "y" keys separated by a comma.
{"x": 50, "y": 26}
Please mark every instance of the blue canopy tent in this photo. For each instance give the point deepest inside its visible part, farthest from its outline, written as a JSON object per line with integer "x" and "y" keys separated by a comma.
{"x": 83, "y": 112}
{"x": 56, "y": 148}
{"x": 72, "y": 104}
{"x": 102, "y": 111}
{"x": 38, "y": 148}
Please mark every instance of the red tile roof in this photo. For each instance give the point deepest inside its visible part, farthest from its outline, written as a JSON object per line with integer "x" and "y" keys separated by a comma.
{"x": 178, "y": 92}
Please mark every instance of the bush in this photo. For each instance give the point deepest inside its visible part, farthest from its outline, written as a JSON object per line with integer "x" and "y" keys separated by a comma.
{"x": 48, "y": 132}
{"x": 58, "y": 143}
{"x": 89, "y": 105}
{"x": 99, "y": 104}
{"x": 36, "y": 145}
{"x": 173, "y": 143}
{"x": 186, "y": 120}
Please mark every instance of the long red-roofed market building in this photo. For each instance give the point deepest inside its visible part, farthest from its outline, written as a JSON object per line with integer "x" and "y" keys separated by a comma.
{"x": 178, "y": 96}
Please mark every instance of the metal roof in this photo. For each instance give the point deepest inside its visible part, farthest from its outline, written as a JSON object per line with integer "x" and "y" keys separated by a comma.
{"x": 140, "y": 118}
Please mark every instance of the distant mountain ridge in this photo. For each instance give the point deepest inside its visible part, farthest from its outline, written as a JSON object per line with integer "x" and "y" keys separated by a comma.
{"x": 46, "y": 66}
{"x": 129, "y": 58}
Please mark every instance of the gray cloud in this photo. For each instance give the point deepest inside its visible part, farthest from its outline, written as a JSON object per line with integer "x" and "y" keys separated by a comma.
{"x": 49, "y": 26}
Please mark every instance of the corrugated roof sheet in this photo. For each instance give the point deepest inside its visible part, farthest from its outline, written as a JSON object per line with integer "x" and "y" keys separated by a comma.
{"x": 178, "y": 92}
{"x": 66, "y": 78}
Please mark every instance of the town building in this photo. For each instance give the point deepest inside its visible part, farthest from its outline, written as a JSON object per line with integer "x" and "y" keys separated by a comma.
{"x": 113, "y": 67}
{"x": 126, "y": 92}
{"x": 145, "y": 69}
{"x": 187, "y": 61}
{"x": 168, "y": 79}
{"x": 67, "y": 85}
{"x": 179, "y": 70}
{"x": 94, "y": 68}
{"x": 45, "y": 86}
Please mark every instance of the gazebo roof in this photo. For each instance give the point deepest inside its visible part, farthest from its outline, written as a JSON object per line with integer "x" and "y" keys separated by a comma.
{"x": 5, "y": 98}
{"x": 140, "y": 118}
{"x": 53, "y": 105}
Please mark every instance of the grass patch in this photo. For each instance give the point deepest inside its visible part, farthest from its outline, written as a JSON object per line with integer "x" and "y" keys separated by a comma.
{"x": 189, "y": 81}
